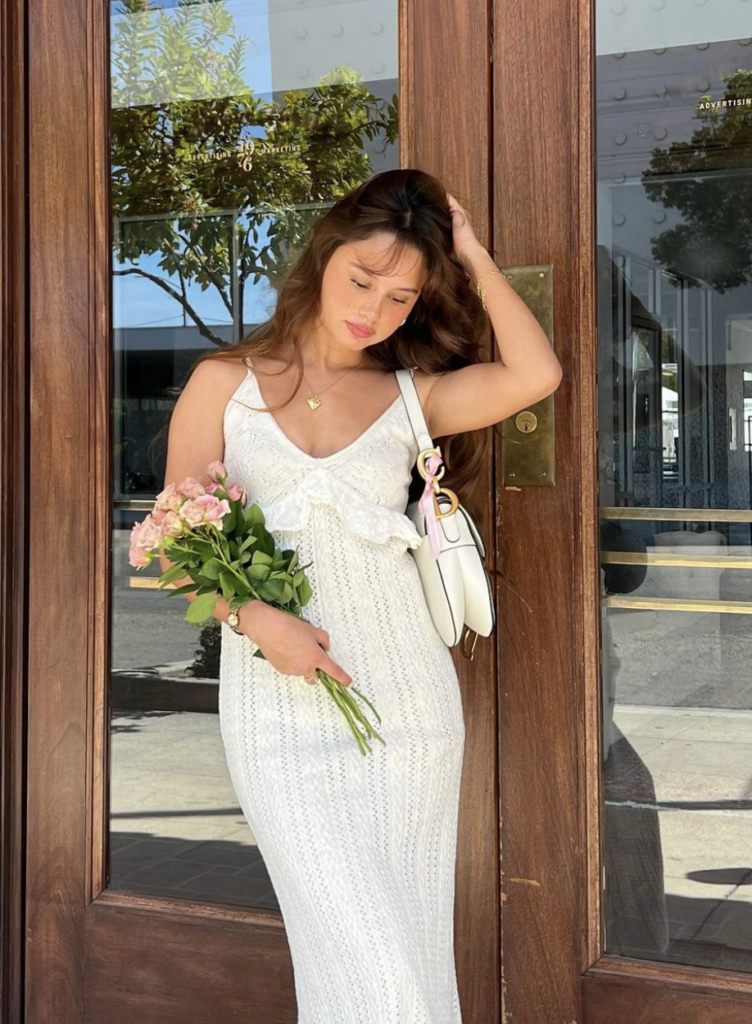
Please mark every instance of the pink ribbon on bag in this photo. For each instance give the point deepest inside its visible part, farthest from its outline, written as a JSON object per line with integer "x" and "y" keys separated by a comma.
{"x": 426, "y": 503}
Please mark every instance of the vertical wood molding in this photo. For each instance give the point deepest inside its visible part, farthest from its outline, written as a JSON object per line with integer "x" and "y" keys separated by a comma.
{"x": 60, "y": 598}
{"x": 537, "y": 197}
{"x": 101, "y": 463}
{"x": 13, "y": 477}
{"x": 587, "y": 596}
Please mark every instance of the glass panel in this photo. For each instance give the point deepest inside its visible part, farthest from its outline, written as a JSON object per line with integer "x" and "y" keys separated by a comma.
{"x": 674, "y": 204}
{"x": 234, "y": 125}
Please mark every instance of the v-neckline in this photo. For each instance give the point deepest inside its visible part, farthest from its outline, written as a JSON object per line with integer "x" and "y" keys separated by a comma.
{"x": 300, "y": 451}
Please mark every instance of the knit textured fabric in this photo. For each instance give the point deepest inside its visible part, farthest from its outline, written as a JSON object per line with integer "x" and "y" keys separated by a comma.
{"x": 360, "y": 849}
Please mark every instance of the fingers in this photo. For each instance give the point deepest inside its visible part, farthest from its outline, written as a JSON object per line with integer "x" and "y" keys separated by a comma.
{"x": 322, "y": 637}
{"x": 335, "y": 671}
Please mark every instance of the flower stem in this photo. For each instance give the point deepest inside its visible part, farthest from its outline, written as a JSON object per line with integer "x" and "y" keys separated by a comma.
{"x": 351, "y": 711}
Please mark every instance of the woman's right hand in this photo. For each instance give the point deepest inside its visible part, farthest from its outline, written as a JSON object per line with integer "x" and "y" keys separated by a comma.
{"x": 289, "y": 643}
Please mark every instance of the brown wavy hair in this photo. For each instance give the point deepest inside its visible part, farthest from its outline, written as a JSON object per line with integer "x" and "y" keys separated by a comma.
{"x": 445, "y": 328}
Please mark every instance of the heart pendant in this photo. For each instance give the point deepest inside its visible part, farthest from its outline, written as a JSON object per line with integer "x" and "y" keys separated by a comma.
{"x": 314, "y": 401}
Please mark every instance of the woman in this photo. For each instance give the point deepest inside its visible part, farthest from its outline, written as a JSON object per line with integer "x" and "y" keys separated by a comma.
{"x": 360, "y": 849}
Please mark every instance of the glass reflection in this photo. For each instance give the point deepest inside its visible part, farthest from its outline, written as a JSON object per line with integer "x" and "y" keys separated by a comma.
{"x": 674, "y": 200}
{"x": 233, "y": 127}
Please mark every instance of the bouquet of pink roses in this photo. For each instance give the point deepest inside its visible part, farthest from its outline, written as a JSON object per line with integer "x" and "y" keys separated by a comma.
{"x": 225, "y": 547}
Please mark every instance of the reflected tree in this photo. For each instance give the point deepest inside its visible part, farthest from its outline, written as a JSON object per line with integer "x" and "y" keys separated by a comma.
{"x": 708, "y": 180}
{"x": 221, "y": 184}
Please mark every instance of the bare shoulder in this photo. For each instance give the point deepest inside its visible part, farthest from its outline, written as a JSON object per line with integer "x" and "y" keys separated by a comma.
{"x": 214, "y": 381}
{"x": 196, "y": 435}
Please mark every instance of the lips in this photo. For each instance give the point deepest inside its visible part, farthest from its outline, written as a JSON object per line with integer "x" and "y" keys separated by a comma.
{"x": 359, "y": 329}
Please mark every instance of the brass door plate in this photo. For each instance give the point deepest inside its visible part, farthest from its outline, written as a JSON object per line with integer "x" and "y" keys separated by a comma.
{"x": 527, "y": 450}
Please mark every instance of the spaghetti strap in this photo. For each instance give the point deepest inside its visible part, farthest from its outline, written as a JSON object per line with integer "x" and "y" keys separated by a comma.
{"x": 247, "y": 361}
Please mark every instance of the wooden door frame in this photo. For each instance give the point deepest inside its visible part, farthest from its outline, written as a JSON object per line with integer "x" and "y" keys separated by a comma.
{"x": 550, "y": 699}
{"x": 13, "y": 482}
{"x": 74, "y": 931}
{"x": 460, "y": 52}
{"x": 548, "y": 538}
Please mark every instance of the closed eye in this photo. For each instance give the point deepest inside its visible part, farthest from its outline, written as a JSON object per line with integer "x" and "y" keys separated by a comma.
{"x": 400, "y": 302}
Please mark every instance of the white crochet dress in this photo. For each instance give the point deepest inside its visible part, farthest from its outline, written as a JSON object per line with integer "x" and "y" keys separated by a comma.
{"x": 360, "y": 848}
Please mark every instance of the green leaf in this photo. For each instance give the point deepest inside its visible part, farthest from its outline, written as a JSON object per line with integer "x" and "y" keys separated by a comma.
{"x": 212, "y": 569}
{"x": 305, "y": 593}
{"x": 187, "y": 589}
{"x": 272, "y": 590}
{"x": 227, "y": 583}
{"x": 201, "y": 608}
{"x": 176, "y": 572}
{"x": 254, "y": 517}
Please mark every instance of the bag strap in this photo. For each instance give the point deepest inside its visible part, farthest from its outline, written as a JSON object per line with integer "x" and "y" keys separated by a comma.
{"x": 414, "y": 409}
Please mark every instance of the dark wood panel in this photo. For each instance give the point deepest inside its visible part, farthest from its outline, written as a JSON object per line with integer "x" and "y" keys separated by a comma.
{"x": 449, "y": 109}
{"x": 642, "y": 992}
{"x": 60, "y": 533}
{"x": 148, "y": 963}
{"x": 13, "y": 471}
{"x": 546, "y": 555}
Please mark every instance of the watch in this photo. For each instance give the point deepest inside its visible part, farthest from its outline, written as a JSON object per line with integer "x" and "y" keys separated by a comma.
{"x": 233, "y": 621}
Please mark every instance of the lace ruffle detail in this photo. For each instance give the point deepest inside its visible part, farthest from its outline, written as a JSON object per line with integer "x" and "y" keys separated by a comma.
{"x": 377, "y": 523}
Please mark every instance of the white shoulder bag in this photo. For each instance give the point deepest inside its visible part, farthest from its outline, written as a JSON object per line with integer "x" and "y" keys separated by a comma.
{"x": 450, "y": 558}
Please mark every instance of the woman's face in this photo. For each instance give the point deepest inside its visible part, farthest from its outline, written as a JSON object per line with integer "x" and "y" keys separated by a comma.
{"x": 353, "y": 291}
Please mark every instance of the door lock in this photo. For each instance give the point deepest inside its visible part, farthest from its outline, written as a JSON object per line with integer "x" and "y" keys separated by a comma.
{"x": 526, "y": 421}
{"x": 527, "y": 439}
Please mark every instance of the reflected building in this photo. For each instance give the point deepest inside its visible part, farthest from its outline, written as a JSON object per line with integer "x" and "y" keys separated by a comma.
{"x": 674, "y": 303}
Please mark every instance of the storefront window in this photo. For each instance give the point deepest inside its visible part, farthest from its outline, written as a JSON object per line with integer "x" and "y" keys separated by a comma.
{"x": 674, "y": 194}
{"x": 233, "y": 126}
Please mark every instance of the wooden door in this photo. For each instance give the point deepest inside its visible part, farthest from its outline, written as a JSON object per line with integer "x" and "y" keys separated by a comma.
{"x": 146, "y": 899}
{"x": 622, "y": 158}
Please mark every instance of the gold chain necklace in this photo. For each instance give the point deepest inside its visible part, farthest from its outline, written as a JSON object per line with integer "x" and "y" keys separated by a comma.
{"x": 315, "y": 399}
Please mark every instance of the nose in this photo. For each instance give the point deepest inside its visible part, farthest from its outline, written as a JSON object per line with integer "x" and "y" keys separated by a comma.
{"x": 369, "y": 314}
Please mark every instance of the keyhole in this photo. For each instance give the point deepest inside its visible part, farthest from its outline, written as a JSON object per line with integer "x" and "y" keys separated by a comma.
{"x": 526, "y": 422}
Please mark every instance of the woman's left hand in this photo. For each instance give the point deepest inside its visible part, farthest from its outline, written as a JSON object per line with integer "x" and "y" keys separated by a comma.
{"x": 464, "y": 238}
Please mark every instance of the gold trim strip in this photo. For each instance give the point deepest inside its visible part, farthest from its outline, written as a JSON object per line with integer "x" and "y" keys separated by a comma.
{"x": 133, "y": 505}
{"x": 675, "y": 605}
{"x": 685, "y": 561}
{"x": 685, "y": 515}
{"x": 146, "y": 583}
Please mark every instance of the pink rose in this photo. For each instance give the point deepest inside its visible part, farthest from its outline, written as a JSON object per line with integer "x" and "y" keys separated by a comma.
{"x": 138, "y": 558}
{"x": 192, "y": 513}
{"x": 191, "y": 488}
{"x": 213, "y": 508}
{"x": 145, "y": 536}
{"x": 237, "y": 493}
{"x": 172, "y": 525}
{"x": 216, "y": 470}
{"x": 168, "y": 499}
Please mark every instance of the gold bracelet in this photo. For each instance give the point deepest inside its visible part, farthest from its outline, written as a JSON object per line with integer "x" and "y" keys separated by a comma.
{"x": 481, "y": 291}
